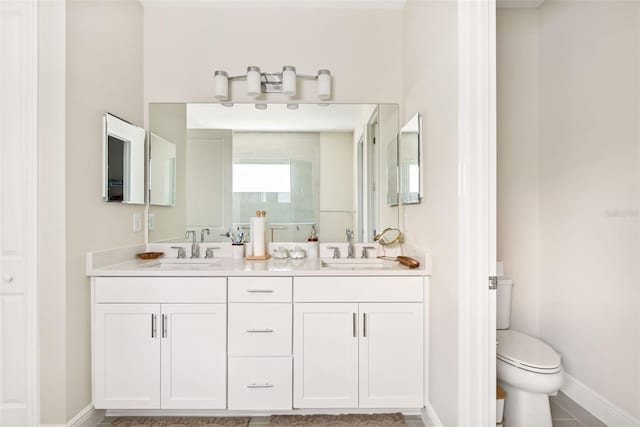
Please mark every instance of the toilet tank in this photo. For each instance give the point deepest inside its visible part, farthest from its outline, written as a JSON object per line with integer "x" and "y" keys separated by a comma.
{"x": 503, "y": 304}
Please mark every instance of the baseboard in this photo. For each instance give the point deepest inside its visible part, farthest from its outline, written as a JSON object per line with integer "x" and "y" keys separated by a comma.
{"x": 430, "y": 418}
{"x": 599, "y": 406}
{"x": 88, "y": 417}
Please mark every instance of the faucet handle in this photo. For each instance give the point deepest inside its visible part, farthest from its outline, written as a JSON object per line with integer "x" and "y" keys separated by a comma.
{"x": 182, "y": 253}
{"x": 209, "y": 252}
{"x": 336, "y": 251}
{"x": 365, "y": 253}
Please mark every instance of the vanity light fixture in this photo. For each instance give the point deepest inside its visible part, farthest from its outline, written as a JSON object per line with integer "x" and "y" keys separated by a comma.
{"x": 284, "y": 82}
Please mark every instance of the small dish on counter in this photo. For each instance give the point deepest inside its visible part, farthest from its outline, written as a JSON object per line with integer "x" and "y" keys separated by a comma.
{"x": 149, "y": 255}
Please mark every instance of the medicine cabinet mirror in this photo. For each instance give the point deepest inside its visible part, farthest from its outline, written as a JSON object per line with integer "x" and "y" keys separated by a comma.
{"x": 409, "y": 163}
{"x": 123, "y": 167}
{"x": 212, "y": 166}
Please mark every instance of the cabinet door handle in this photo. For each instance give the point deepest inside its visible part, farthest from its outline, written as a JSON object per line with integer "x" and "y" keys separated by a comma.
{"x": 153, "y": 326}
{"x": 364, "y": 325}
{"x": 260, "y": 291}
{"x": 355, "y": 325}
{"x": 257, "y": 331}
{"x": 264, "y": 385}
{"x": 164, "y": 325}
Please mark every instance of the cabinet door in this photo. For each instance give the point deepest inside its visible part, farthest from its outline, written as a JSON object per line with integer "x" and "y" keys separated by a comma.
{"x": 127, "y": 356}
{"x": 325, "y": 355}
{"x": 391, "y": 355}
{"x": 194, "y": 355}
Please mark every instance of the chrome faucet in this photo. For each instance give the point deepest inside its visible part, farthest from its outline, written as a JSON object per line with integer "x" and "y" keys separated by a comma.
{"x": 195, "y": 247}
{"x": 352, "y": 248}
{"x": 202, "y": 234}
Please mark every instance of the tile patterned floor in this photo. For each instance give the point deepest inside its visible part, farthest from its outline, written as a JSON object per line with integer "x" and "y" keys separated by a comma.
{"x": 564, "y": 412}
{"x": 567, "y": 413}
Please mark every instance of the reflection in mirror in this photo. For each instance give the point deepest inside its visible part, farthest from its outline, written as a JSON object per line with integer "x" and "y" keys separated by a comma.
{"x": 162, "y": 175}
{"x": 392, "y": 172}
{"x": 315, "y": 165}
{"x": 410, "y": 162}
{"x": 123, "y": 168}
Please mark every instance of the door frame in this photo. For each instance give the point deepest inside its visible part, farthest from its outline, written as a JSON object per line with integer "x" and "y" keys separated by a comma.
{"x": 28, "y": 122}
{"x": 477, "y": 211}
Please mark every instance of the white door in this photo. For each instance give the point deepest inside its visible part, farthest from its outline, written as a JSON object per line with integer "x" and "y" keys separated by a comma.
{"x": 18, "y": 214}
{"x": 325, "y": 355}
{"x": 391, "y": 355}
{"x": 127, "y": 356}
{"x": 194, "y": 356}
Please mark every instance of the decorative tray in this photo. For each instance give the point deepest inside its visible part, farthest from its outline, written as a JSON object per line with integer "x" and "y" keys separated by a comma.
{"x": 149, "y": 255}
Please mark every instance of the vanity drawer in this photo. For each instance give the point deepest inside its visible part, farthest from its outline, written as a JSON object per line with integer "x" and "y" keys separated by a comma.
{"x": 260, "y": 289}
{"x": 260, "y": 383}
{"x": 161, "y": 289}
{"x": 359, "y": 289}
{"x": 260, "y": 329}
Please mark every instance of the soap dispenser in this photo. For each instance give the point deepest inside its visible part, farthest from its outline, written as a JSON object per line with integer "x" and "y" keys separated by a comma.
{"x": 313, "y": 246}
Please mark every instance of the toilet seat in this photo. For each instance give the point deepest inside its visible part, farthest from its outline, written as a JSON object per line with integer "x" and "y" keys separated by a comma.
{"x": 527, "y": 353}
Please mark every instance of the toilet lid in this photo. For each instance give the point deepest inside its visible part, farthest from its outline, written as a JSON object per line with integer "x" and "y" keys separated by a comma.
{"x": 526, "y": 352}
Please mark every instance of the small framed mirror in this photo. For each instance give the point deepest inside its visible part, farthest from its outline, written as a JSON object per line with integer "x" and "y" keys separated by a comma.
{"x": 410, "y": 161}
{"x": 162, "y": 171}
{"x": 123, "y": 168}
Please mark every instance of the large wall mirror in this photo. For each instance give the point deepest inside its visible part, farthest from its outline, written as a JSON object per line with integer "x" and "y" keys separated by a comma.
{"x": 212, "y": 166}
{"x": 123, "y": 167}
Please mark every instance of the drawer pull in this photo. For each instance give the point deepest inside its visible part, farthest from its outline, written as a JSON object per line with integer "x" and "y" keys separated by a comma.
{"x": 257, "y": 331}
{"x": 260, "y": 291}
{"x": 264, "y": 385}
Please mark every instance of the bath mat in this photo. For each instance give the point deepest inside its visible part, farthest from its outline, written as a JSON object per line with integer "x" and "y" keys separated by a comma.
{"x": 180, "y": 422}
{"x": 350, "y": 420}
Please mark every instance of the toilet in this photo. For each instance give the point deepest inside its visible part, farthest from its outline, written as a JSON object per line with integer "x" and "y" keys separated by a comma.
{"x": 528, "y": 370}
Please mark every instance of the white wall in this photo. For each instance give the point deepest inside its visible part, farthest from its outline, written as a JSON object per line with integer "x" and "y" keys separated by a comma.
{"x": 103, "y": 73}
{"x": 430, "y": 76}
{"x": 51, "y": 217}
{"x": 183, "y": 47}
{"x": 589, "y": 186}
{"x": 519, "y": 163}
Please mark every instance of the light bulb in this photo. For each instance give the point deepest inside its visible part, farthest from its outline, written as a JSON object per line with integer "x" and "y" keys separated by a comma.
{"x": 289, "y": 80}
{"x": 324, "y": 84}
{"x": 253, "y": 81}
{"x": 221, "y": 82}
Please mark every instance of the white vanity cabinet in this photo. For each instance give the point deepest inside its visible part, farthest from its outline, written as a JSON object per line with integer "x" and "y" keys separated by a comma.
{"x": 260, "y": 328}
{"x": 352, "y": 349}
{"x": 151, "y": 353}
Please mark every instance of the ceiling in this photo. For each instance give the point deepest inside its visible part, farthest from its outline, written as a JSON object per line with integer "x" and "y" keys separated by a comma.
{"x": 307, "y": 118}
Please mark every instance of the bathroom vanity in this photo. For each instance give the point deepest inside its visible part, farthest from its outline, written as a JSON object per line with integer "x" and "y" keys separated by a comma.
{"x": 226, "y": 336}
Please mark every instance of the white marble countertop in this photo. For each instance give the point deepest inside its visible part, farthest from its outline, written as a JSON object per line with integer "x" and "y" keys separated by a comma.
{"x": 122, "y": 262}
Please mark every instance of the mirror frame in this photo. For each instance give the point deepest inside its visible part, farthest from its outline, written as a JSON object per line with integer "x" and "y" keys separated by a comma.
{"x": 123, "y": 130}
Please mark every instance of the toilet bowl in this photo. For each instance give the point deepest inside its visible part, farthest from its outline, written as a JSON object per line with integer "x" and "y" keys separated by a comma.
{"x": 528, "y": 370}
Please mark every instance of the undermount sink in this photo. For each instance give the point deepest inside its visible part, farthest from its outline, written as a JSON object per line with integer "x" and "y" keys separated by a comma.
{"x": 182, "y": 264}
{"x": 356, "y": 263}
